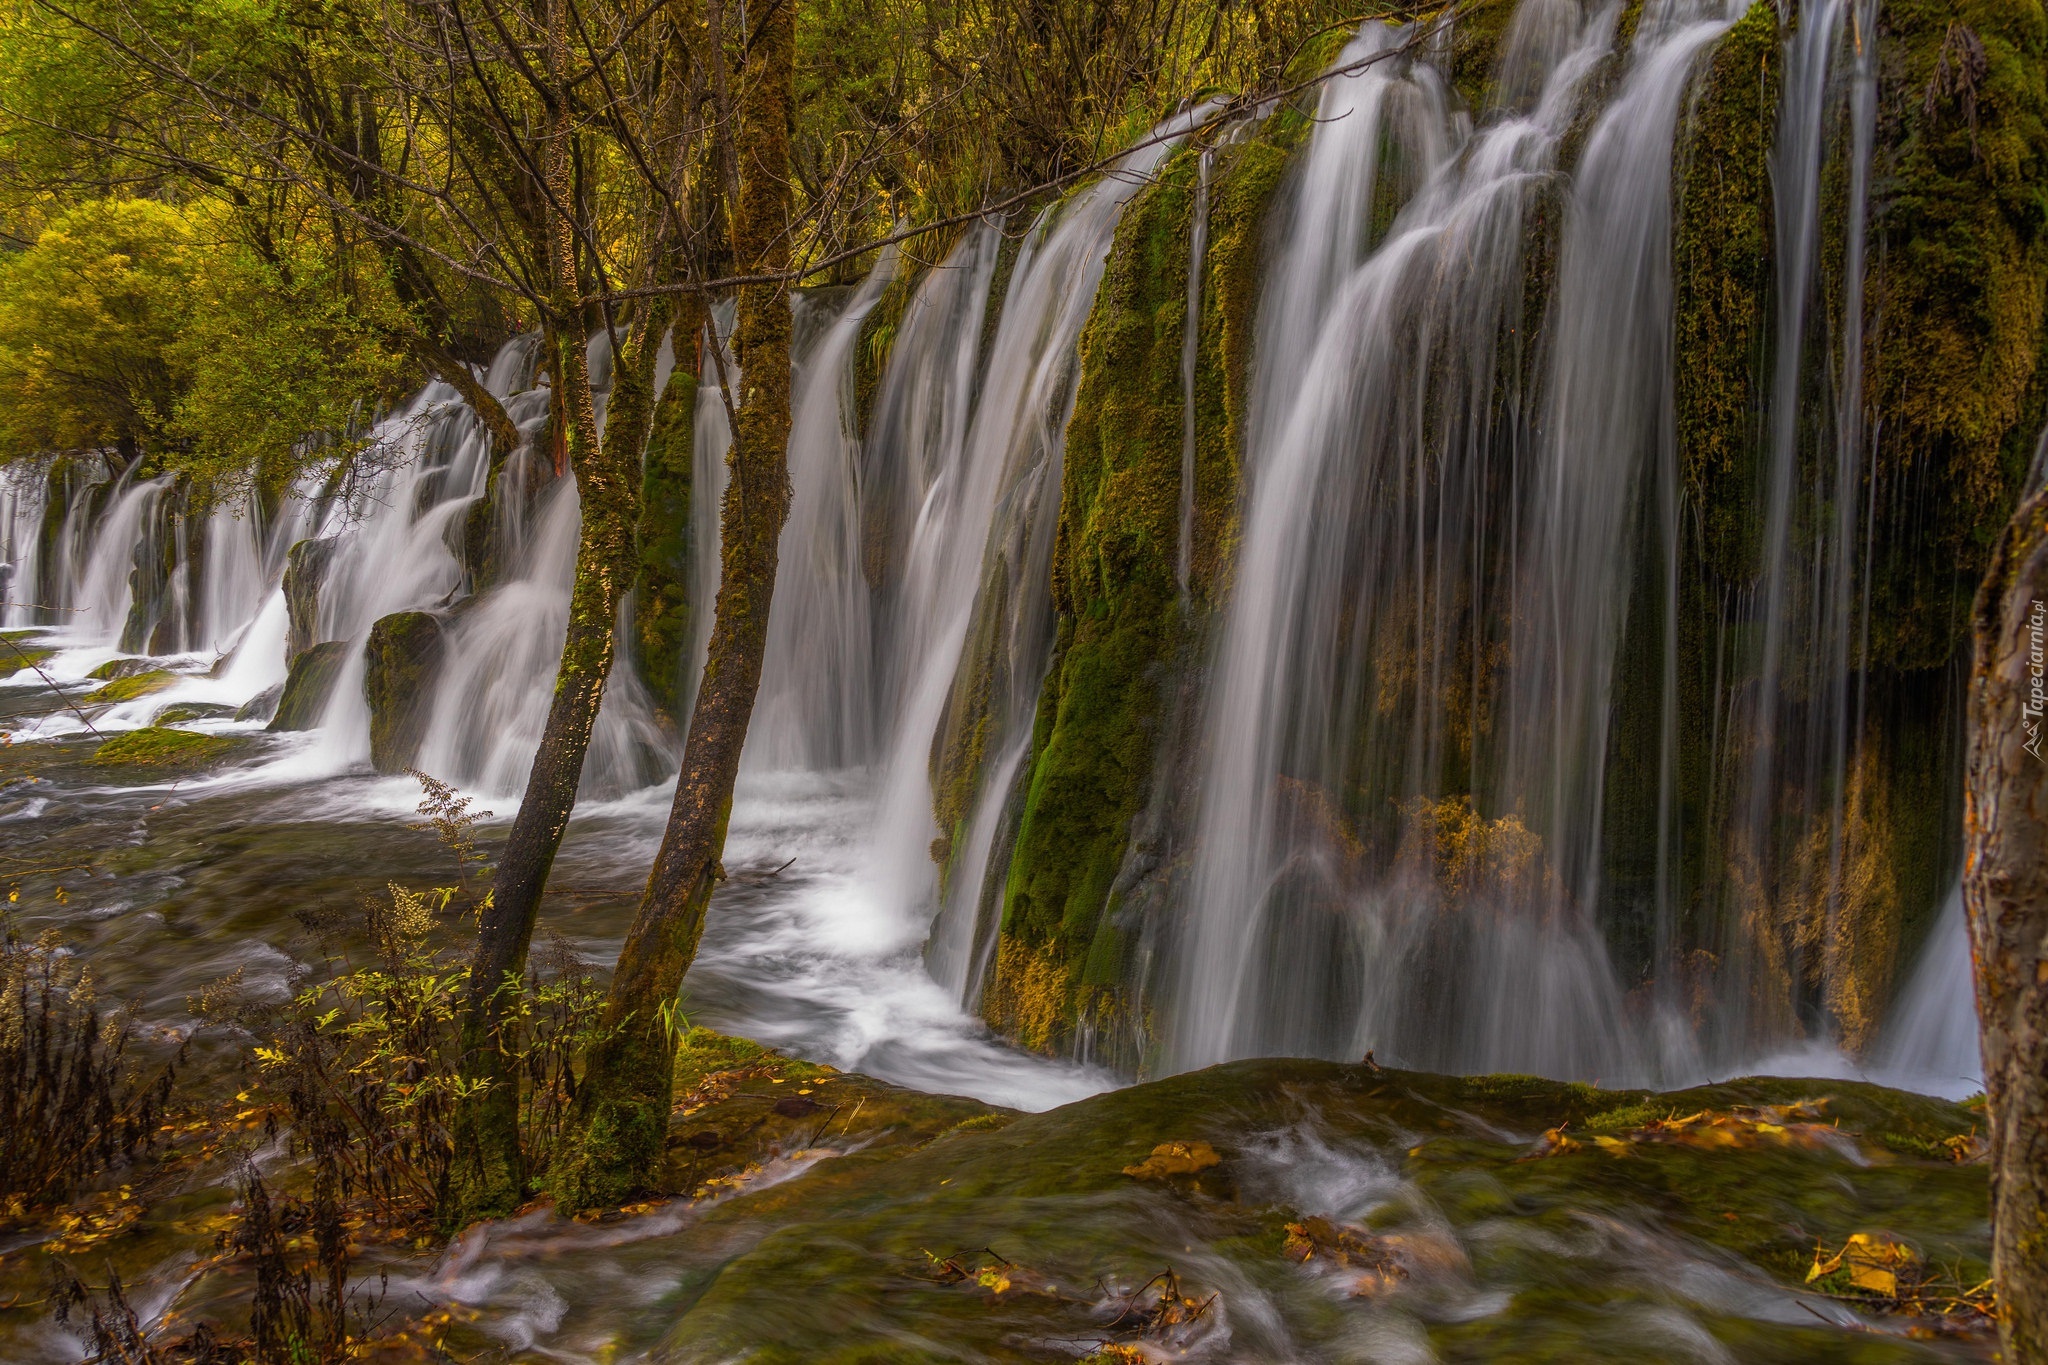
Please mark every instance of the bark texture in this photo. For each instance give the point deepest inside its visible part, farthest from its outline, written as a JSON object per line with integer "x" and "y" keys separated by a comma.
{"x": 489, "y": 1176}
{"x": 623, "y": 1104}
{"x": 2005, "y": 891}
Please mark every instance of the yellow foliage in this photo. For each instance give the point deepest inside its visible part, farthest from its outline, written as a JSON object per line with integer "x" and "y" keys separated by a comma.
{"x": 1870, "y": 1262}
{"x": 1471, "y": 855}
{"x": 1175, "y": 1158}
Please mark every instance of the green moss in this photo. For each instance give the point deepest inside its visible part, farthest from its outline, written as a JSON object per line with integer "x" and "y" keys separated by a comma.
{"x": 1958, "y": 283}
{"x": 156, "y": 746}
{"x": 399, "y": 662}
{"x": 1119, "y": 617}
{"x": 847, "y": 1263}
{"x": 15, "y": 657}
{"x": 1122, "y": 618}
{"x": 661, "y": 590}
{"x": 1721, "y": 268}
{"x": 184, "y": 712}
{"x": 132, "y": 685}
{"x": 1477, "y": 32}
{"x": 308, "y": 686}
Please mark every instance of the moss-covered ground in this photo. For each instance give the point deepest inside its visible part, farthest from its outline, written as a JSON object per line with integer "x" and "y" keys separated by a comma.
{"x": 1596, "y": 1253}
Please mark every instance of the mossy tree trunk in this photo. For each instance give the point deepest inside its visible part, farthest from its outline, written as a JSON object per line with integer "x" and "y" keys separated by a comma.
{"x": 623, "y": 1104}
{"x": 2005, "y": 892}
{"x": 489, "y": 1176}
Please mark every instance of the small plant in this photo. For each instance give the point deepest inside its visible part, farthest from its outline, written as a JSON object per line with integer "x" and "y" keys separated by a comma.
{"x": 72, "y": 1101}
{"x": 368, "y": 1061}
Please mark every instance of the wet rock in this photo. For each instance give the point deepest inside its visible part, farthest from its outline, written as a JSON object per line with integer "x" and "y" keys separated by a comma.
{"x": 400, "y": 661}
{"x": 133, "y": 684}
{"x": 305, "y": 572}
{"x": 181, "y": 712}
{"x": 310, "y": 684}
{"x": 262, "y": 706}
{"x": 119, "y": 668}
{"x": 160, "y": 747}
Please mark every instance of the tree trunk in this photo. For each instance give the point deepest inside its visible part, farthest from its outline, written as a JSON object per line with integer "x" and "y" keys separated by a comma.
{"x": 623, "y": 1105}
{"x": 488, "y": 1177}
{"x": 2005, "y": 891}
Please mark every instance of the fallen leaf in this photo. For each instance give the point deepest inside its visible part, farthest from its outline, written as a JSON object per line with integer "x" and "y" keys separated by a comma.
{"x": 1170, "y": 1159}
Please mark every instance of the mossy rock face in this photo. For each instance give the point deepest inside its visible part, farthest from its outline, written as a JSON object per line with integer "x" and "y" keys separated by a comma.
{"x": 1722, "y": 265}
{"x": 131, "y": 685}
{"x": 311, "y": 682}
{"x": 661, "y": 590}
{"x": 158, "y": 746}
{"x": 1505, "y": 1245}
{"x": 1958, "y": 284}
{"x": 1125, "y": 617}
{"x": 399, "y": 663}
{"x": 305, "y": 571}
{"x": 184, "y": 712}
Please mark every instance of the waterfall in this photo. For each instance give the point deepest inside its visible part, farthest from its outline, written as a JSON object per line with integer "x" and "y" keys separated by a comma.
{"x": 95, "y": 588}
{"x": 817, "y": 700}
{"x": 1381, "y": 461}
{"x": 1930, "y": 1041}
{"x": 21, "y": 534}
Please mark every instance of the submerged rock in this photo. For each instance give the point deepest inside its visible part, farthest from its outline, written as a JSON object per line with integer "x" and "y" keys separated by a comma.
{"x": 181, "y": 712}
{"x": 262, "y": 706}
{"x": 311, "y": 682}
{"x": 399, "y": 664}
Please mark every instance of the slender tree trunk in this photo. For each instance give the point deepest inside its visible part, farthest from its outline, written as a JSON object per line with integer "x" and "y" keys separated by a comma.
{"x": 2005, "y": 891}
{"x": 489, "y": 1176}
{"x": 623, "y": 1105}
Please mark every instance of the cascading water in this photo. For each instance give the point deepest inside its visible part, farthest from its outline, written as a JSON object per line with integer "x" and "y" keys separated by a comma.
{"x": 21, "y": 527}
{"x": 1382, "y": 450}
{"x": 981, "y": 563}
{"x": 1462, "y": 498}
{"x": 816, "y": 708}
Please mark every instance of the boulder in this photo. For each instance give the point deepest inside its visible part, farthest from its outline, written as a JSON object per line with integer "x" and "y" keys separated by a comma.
{"x": 119, "y": 668}
{"x": 262, "y": 706}
{"x": 305, "y": 573}
{"x": 400, "y": 661}
{"x": 132, "y": 684}
{"x": 180, "y": 712}
{"x": 158, "y": 747}
{"x": 311, "y": 682}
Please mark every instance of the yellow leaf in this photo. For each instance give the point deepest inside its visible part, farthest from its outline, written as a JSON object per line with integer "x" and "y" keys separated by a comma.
{"x": 1175, "y": 1158}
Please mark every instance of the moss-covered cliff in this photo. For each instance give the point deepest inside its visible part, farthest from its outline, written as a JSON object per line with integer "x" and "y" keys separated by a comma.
{"x": 1124, "y": 617}
{"x": 661, "y": 590}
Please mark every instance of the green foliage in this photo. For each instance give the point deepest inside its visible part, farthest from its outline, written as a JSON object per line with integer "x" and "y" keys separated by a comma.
{"x": 1123, "y": 621}
{"x": 368, "y": 1061}
{"x": 1959, "y": 278}
{"x": 1722, "y": 265}
{"x": 137, "y": 325}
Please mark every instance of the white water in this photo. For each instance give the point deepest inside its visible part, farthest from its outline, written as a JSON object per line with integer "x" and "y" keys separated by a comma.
{"x": 1285, "y": 952}
{"x": 1380, "y": 427}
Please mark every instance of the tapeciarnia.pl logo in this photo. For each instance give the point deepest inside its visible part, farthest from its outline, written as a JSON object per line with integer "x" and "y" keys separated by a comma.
{"x": 2037, "y": 678}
